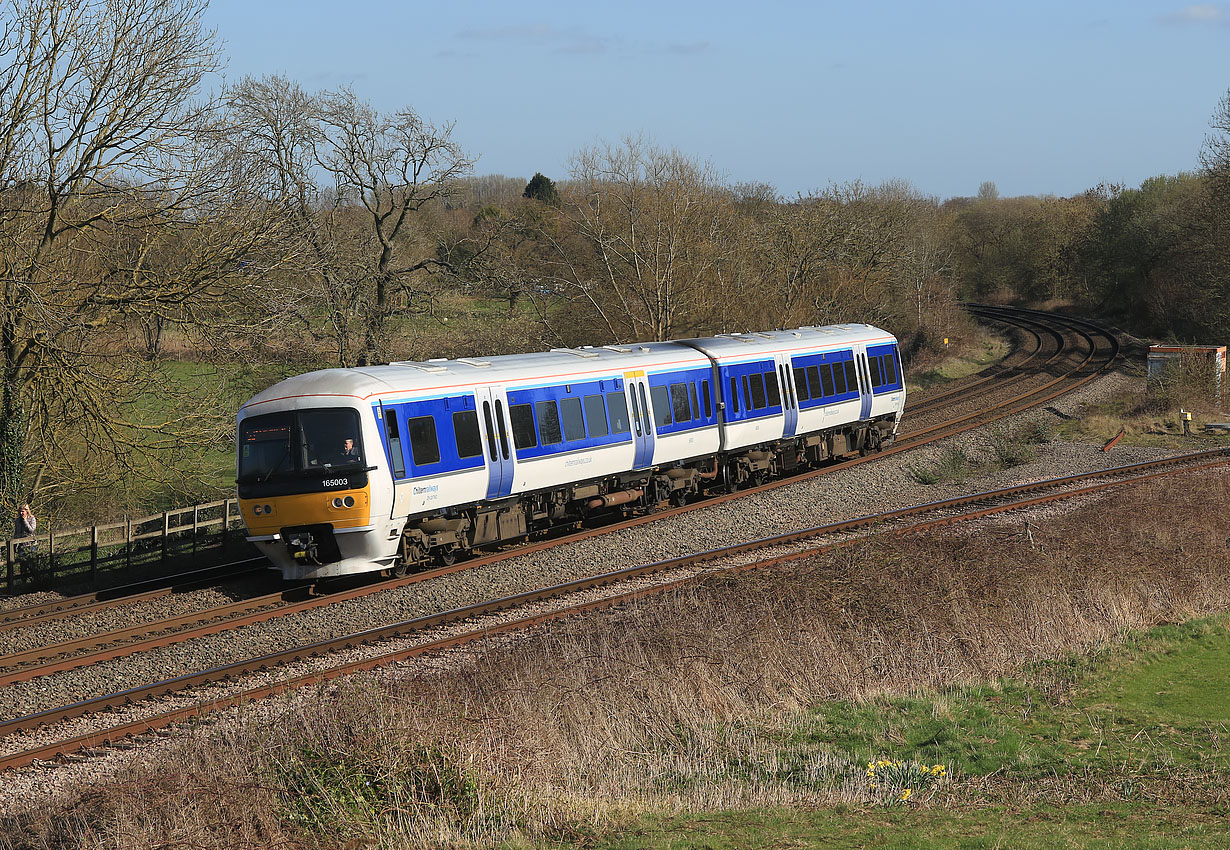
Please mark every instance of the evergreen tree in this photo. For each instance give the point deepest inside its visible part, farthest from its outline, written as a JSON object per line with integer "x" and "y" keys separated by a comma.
{"x": 541, "y": 188}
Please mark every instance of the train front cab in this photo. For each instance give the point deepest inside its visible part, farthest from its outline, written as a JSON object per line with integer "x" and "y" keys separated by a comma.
{"x": 307, "y": 496}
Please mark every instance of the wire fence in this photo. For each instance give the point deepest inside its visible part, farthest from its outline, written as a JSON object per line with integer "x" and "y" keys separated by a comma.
{"x": 132, "y": 547}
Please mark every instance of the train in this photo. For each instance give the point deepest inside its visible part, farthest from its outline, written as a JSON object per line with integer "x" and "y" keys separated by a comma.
{"x": 396, "y": 467}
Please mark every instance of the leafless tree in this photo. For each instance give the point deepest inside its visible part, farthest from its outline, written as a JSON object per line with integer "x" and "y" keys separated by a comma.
{"x": 655, "y": 227}
{"x": 366, "y": 262}
{"x": 115, "y": 202}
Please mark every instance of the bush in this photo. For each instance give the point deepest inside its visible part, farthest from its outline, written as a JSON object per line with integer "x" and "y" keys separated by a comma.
{"x": 349, "y": 793}
{"x": 953, "y": 465}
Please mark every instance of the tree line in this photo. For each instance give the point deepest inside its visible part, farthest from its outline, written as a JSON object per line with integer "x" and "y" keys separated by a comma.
{"x": 264, "y": 221}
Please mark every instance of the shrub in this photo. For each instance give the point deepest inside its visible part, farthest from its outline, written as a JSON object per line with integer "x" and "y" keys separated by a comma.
{"x": 347, "y": 793}
{"x": 953, "y": 464}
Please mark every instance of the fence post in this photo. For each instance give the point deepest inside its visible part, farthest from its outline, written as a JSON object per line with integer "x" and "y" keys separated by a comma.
{"x": 166, "y": 533}
{"x": 8, "y": 568}
{"x": 128, "y": 542}
{"x": 93, "y": 555}
{"x": 196, "y": 527}
{"x": 51, "y": 555}
{"x": 226, "y": 525}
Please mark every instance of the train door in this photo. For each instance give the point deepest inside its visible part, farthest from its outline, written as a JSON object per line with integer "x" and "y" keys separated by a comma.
{"x": 636, "y": 387}
{"x": 864, "y": 382}
{"x": 790, "y": 405}
{"x": 493, "y": 419}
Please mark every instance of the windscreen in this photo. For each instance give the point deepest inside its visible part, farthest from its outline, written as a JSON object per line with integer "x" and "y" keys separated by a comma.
{"x": 265, "y": 446}
{"x": 297, "y": 443}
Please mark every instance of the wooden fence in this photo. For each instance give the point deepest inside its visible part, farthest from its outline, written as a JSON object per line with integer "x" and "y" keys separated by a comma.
{"x": 85, "y": 555}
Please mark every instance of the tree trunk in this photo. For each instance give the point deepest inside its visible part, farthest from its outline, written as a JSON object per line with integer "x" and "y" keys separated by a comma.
{"x": 12, "y": 448}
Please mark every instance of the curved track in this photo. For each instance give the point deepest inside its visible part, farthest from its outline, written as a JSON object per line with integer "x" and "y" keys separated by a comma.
{"x": 1059, "y": 360}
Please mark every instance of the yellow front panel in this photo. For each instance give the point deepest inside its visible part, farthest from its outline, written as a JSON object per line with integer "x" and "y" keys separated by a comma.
{"x": 306, "y": 509}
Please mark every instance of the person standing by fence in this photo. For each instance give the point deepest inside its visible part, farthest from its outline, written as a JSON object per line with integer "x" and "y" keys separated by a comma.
{"x": 25, "y": 526}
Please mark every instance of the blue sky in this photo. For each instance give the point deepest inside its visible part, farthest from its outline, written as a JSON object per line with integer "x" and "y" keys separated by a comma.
{"x": 1040, "y": 97}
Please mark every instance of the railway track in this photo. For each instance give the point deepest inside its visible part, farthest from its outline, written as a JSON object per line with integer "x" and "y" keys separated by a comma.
{"x": 1047, "y": 345}
{"x": 1052, "y": 347}
{"x": 762, "y": 553}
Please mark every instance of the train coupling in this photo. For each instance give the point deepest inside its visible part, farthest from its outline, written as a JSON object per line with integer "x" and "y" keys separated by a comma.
{"x": 311, "y": 544}
{"x": 303, "y": 548}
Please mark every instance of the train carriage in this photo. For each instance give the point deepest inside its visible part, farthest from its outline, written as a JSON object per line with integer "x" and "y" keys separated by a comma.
{"x": 385, "y": 467}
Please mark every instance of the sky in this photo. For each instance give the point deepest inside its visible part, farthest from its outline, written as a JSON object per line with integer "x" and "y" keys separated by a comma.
{"x": 1040, "y": 97}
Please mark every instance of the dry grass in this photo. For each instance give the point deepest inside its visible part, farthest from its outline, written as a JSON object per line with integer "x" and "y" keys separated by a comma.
{"x": 681, "y": 703}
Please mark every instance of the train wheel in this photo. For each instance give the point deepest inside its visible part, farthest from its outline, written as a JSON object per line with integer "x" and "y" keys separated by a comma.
{"x": 400, "y": 570}
{"x": 447, "y": 557}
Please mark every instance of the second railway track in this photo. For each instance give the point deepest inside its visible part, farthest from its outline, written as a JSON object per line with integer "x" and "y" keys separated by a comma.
{"x": 778, "y": 548}
{"x": 1092, "y": 360}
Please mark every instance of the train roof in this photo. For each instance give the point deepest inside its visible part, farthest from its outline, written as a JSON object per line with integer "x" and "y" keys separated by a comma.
{"x": 760, "y": 344}
{"x": 414, "y": 376}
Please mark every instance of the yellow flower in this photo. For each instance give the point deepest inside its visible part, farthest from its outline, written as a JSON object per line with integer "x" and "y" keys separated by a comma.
{"x": 905, "y": 795}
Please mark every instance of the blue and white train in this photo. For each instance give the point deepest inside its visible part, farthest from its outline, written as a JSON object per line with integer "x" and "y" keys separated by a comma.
{"x": 389, "y": 467}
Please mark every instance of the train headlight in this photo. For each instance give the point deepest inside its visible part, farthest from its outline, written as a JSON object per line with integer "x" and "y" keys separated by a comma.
{"x": 268, "y": 509}
{"x": 257, "y": 509}
{"x": 348, "y": 501}
{"x": 337, "y": 502}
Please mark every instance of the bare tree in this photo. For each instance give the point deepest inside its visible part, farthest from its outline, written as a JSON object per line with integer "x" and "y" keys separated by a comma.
{"x": 657, "y": 239}
{"x": 115, "y": 202}
{"x": 1216, "y": 153}
{"x": 366, "y": 263}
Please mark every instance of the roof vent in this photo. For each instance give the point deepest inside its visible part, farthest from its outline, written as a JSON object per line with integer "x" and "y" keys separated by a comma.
{"x": 430, "y": 366}
{"x": 575, "y": 351}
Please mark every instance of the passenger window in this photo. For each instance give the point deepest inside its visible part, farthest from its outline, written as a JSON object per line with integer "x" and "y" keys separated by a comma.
{"x": 851, "y": 378}
{"x": 747, "y": 395}
{"x": 679, "y": 403}
{"x": 708, "y": 400}
{"x": 834, "y": 379}
{"x": 692, "y": 396}
{"x": 570, "y": 416}
{"x": 617, "y": 406}
{"x": 395, "y": 450}
{"x": 548, "y": 422}
{"x": 661, "y": 406}
{"x": 595, "y": 416}
{"x": 800, "y": 384}
{"x": 465, "y": 430}
{"x": 759, "y": 401}
{"x": 877, "y": 380}
{"x": 424, "y": 447}
{"x": 813, "y": 383}
{"x": 490, "y": 428}
{"x": 775, "y": 395}
{"x": 734, "y": 394}
{"x": 890, "y": 368}
{"x": 522, "y": 416}
{"x": 636, "y": 414}
{"x": 499, "y": 421}
{"x": 644, "y": 408}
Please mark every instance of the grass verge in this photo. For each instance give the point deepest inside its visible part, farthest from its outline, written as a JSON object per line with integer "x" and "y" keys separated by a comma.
{"x": 748, "y": 707}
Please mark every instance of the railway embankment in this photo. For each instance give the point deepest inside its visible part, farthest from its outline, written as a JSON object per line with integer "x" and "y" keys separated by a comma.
{"x": 889, "y": 482}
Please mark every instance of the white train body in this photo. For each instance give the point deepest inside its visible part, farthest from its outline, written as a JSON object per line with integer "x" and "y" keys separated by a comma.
{"x": 448, "y": 456}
